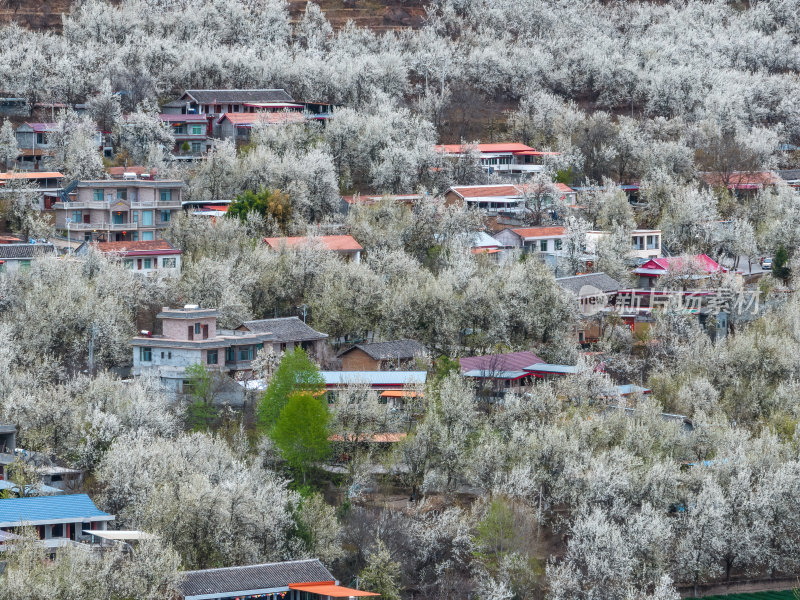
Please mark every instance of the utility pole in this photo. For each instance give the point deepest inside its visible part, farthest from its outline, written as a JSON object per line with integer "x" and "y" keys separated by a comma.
{"x": 68, "y": 220}
{"x": 304, "y": 307}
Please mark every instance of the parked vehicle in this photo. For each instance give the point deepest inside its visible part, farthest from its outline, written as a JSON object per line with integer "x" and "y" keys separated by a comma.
{"x": 766, "y": 264}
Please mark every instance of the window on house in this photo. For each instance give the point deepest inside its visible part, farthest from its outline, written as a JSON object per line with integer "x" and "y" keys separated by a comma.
{"x": 558, "y": 244}
{"x": 77, "y": 217}
{"x": 166, "y": 195}
{"x": 122, "y": 194}
{"x": 638, "y": 242}
{"x": 98, "y": 195}
{"x": 652, "y": 242}
{"x": 196, "y": 147}
{"x": 147, "y": 236}
{"x": 165, "y": 215}
{"x": 40, "y": 138}
{"x": 135, "y": 216}
{"x": 180, "y": 129}
{"x": 197, "y": 130}
{"x": 168, "y": 263}
{"x": 197, "y": 328}
{"x": 162, "y": 356}
{"x": 145, "y": 354}
{"x": 148, "y": 263}
{"x": 230, "y": 354}
{"x": 211, "y": 357}
{"x": 245, "y": 353}
{"x": 543, "y": 245}
{"x": 129, "y": 263}
{"x": 147, "y": 218}
{"x": 135, "y": 236}
{"x": 118, "y": 218}
{"x": 57, "y": 531}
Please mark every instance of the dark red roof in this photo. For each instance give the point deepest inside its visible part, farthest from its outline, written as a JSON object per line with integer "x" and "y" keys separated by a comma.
{"x": 513, "y": 361}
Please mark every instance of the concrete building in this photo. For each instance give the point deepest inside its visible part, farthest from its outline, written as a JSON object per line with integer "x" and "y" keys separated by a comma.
{"x": 16, "y": 257}
{"x": 190, "y": 336}
{"x": 119, "y": 210}
{"x": 154, "y": 258}
{"x": 508, "y": 157}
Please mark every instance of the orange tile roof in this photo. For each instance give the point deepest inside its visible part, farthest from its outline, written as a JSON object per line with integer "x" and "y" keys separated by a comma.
{"x": 513, "y": 147}
{"x": 487, "y": 191}
{"x": 162, "y": 246}
{"x": 263, "y": 117}
{"x": 501, "y": 190}
{"x": 742, "y": 178}
{"x": 331, "y": 242}
{"x": 324, "y": 588}
{"x": 529, "y": 232}
{"x": 32, "y": 175}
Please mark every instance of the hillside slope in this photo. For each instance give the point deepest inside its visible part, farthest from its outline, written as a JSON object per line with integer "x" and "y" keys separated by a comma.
{"x": 380, "y": 15}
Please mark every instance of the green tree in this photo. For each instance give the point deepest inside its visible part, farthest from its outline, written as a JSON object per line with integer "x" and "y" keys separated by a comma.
{"x": 272, "y": 203}
{"x": 382, "y": 574}
{"x": 780, "y": 266}
{"x": 495, "y": 534}
{"x": 200, "y": 387}
{"x": 296, "y": 372}
{"x": 301, "y": 431}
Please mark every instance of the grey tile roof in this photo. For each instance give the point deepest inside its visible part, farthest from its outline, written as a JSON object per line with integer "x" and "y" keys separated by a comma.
{"x": 601, "y": 281}
{"x": 396, "y": 349}
{"x": 285, "y": 329}
{"x": 238, "y": 96}
{"x": 25, "y": 251}
{"x": 252, "y": 577}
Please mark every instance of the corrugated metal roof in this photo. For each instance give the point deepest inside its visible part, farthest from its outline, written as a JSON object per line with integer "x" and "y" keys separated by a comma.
{"x": 25, "y": 251}
{"x": 239, "y": 96}
{"x": 374, "y": 377}
{"x": 396, "y": 349}
{"x": 601, "y": 281}
{"x": 285, "y": 329}
{"x": 49, "y": 508}
{"x": 249, "y": 578}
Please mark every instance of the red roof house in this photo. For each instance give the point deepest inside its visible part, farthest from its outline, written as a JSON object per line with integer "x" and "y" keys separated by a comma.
{"x": 346, "y": 245}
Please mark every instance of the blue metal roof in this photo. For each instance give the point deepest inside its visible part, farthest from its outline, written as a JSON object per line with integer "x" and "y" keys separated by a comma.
{"x": 489, "y": 374}
{"x": 559, "y": 369}
{"x": 42, "y": 489}
{"x": 50, "y": 509}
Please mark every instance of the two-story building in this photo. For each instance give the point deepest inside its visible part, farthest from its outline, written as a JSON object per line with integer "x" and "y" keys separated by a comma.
{"x": 504, "y": 198}
{"x": 119, "y": 210}
{"x": 508, "y": 157}
{"x": 157, "y": 257}
{"x": 212, "y": 104}
{"x": 191, "y": 132}
{"x": 189, "y": 337}
{"x": 645, "y": 243}
{"x": 237, "y": 126}
{"x": 288, "y": 333}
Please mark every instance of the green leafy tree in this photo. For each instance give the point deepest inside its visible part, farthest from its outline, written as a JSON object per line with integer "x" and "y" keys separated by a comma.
{"x": 780, "y": 266}
{"x": 382, "y": 574}
{"x": 199, "y": 387}
{"x": 296, "y": 372}
{"x": 267, "y": 203}
{"x": 301, "y": 432}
